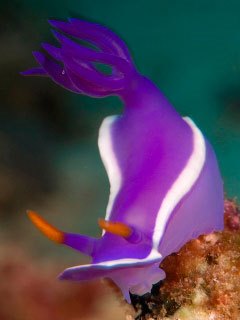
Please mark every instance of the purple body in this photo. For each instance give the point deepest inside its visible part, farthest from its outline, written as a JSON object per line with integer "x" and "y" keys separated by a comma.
{"x": 164, "y": 178}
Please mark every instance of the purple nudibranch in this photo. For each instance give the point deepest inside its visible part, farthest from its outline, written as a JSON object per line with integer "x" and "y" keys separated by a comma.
{"x": 165, "y": 185}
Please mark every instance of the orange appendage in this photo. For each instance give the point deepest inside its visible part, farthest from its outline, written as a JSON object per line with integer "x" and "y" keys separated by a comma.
{"x": 117, "y": 228}
{"x": 47, "y": 229}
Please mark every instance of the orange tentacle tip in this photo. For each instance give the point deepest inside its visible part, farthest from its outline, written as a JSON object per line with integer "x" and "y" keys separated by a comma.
{"x": 118, "y": 228}
{"x": 46, "y": 228}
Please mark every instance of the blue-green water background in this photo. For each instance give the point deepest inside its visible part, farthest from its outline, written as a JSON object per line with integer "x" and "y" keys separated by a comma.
{"x": 49, "y": 159}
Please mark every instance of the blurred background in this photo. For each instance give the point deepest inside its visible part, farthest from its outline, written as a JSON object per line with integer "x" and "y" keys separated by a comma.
{"x": 49, "y": 159}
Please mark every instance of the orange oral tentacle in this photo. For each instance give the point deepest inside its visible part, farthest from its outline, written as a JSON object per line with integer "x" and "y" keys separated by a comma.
{"x": 117, "y": 228}
{"x": 47, "y": 229}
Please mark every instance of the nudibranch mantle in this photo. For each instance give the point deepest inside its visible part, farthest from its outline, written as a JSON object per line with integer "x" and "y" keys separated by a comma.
{"x": 165, "y": 185}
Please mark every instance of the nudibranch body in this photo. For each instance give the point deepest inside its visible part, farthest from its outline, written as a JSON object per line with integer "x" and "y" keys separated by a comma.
{"x": 165, "y": 185}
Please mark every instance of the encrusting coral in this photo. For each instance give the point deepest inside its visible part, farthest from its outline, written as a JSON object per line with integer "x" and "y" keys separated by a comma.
{"x": 203, "y": 278}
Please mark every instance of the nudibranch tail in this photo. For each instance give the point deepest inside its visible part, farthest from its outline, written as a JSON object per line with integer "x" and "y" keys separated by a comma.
{"x": 74, "y": 64}
{"x": 78, "y": 242}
